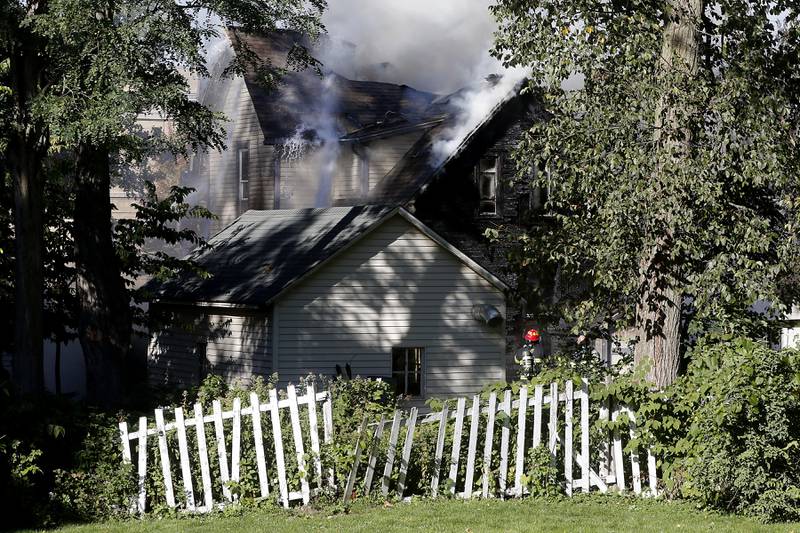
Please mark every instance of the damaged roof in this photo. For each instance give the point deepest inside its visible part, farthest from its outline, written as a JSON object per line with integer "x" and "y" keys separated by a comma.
{"x": 420, "y": 166}
{"x": 358, "y": 104}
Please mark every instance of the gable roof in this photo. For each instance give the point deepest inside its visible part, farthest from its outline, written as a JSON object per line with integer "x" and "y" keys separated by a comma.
{"x": 420, "y": 167}
{"x": 262, "y": 254}
{"x": 358, "y": 104}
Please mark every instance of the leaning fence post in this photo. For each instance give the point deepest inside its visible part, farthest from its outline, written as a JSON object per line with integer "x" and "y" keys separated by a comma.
{"x": 314, "y": 433}
{"x": 236, "y": 439}
{"x": 488, "y": 443}
{"x": 553, "y": 426}
{"x": 163, "y": 452}
{"x": 258, "y": 442}
{"x": 294, "y": 415}
{"x": 142, "y": 459}
{"x": 373, "y": 455}
{"x": 126, "y": 454}
{"x": 183, "y": 449}
{"x": 351, "y": 479}
{"x": 568, "y": 459}
{"x": 538, "y": 394}
{"x": 437, "y": 458}
{"x": 222, "y": 450}
{"x": 651, "y": 472}
{"x": 618, "y": 466}
{"x": 520, "y": 464}
{"x": 406, "y": 457}
{"x": 472, "y": 445}
{"x": 205, "y": 471}
{"x": 390, "y": 452}
{"x": 277, "y": 438}
{"x": 456, "y": 451}
{"x": 327, "y": 426}
{"x": 126, "y": 442}
{"x": 636, "y": 480}
{"x": 505, "y": 436}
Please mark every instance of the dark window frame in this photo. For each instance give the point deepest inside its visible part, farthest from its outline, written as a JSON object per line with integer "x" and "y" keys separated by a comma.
{"x": 412, "y": 355}
{"x": 482, "y": 172}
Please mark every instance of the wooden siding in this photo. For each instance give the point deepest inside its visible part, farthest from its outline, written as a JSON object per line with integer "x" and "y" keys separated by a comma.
{"x": 394, "y": 288}
{"x": 243, "y": 131}
{"x": 384, "y": 154}
{"x": 230, "y": 343}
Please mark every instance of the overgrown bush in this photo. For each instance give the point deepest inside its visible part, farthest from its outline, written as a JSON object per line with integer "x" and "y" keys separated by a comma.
{"x": 59, "y": 462}
{"x": 741, "y": 445}
{"x": 727, "y": 433}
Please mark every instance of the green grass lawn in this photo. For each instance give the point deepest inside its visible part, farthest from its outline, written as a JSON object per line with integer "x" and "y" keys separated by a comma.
{"x": 579, "y": 514}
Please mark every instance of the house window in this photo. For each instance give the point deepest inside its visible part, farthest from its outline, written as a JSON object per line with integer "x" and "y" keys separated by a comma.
{"x": 487, "y": 185}
{"x": 541, "y": 194}
{"x": 407, "y": 371}
{"x": 243, "y": 169}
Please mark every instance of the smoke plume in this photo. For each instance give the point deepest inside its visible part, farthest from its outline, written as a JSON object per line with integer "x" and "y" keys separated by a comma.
{"x": 431, "y": 45}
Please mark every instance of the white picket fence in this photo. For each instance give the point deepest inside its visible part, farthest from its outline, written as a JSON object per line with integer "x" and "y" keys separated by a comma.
{"x": 229, "y": 466}
{"x": 547, "y": 404}
{"x": 610, "y": 472}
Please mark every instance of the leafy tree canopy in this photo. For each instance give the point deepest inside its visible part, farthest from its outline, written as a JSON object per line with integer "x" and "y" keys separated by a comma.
{"x": 675, "y": 165}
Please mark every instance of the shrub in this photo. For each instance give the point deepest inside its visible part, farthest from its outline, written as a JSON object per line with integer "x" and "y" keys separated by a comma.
{"x": 96, "y": 485}
{"x": 740, "y": 448}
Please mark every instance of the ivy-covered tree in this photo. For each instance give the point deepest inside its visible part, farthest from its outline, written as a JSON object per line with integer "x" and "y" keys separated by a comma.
{"x": 672, "y": 169}
{"x": 104, "y": 64}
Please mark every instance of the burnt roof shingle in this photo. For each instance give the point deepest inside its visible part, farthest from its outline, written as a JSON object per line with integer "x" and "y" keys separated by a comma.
{"x": 306, "y": 94}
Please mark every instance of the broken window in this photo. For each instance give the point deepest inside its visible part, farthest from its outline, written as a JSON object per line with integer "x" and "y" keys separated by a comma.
{"x": 407, "y": 371}
{"x": 243, "y": 169}
{"x": 487, "y": 185}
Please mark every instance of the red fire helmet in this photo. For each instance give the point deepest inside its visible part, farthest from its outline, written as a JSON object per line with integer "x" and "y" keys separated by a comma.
{"x": 532, "y": 335}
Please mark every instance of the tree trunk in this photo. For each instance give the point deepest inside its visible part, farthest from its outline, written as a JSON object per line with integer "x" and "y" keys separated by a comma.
{"x": 26, "y": 149}
{"x": 658, "y": 312}
{"x": 658, "y": 319}
{"x": 28, "y": 355}
{"x": 104, "y": 325}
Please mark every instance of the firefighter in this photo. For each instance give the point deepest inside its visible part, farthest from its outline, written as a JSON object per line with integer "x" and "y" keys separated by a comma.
{"x": 526, "y": 357}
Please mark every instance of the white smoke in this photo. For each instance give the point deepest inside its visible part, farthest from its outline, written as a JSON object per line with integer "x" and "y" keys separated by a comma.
{"x": 434, "y": 45}
{"x": 431, "y": 45}
{"x": 474, "y": 105}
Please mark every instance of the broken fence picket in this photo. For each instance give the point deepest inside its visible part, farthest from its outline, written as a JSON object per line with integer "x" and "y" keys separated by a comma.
{"x": 230, "y": 461}
{"x": 610, "y": 471}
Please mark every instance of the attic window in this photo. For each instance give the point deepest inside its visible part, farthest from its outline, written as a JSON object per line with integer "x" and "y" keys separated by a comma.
{"x": 243, "y": 170}
{"x": 487, "y": 185}
{"x": 407, "y": 371}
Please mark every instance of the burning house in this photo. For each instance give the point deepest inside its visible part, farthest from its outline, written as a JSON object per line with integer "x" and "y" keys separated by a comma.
{"x": 351, "y": 230}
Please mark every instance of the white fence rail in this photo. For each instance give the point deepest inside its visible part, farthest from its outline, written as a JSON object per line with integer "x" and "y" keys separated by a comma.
{"x": 543, "y": 416}
{"x": 229, "y": 460}
{"x": 610, "y": 471}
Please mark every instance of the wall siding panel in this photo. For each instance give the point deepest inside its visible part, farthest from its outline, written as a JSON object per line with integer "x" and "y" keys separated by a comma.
{"x": 384, "y": 154}
{"x": 235, "y": 345}
{"x": 396, "y": 287}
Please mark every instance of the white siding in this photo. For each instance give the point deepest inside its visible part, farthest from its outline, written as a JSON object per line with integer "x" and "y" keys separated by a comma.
{"x": 232, "y": 344}
{"x": 396, "y": 287}
{"x": 384, "y": 154}
{"x": 242, "y": 131}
